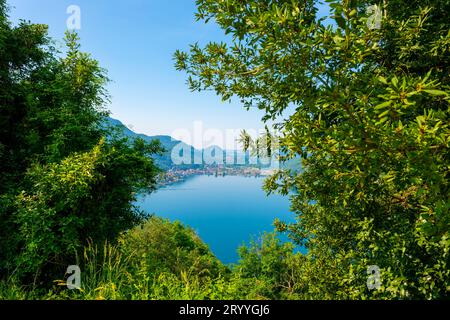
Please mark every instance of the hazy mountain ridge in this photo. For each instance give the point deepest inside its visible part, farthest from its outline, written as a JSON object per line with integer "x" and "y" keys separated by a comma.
{"x": 168, "y": 143}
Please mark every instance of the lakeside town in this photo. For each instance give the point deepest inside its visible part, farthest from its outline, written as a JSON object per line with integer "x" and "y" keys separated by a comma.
{"x": 174, "y": 175}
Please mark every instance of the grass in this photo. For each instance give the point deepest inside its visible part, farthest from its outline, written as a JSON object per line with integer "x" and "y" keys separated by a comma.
{"x": 159, "y": 261}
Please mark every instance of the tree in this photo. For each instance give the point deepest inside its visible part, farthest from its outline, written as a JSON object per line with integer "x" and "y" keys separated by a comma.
{"x": 65, "y": 179}
{"x": 271, "y": 267}
{"x": 370, "y": 123}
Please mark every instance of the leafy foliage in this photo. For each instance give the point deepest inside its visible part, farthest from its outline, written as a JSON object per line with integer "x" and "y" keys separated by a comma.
{"x": 167, "y": 261}
{"x": 370, "y": 123}
{"x": 171, "y": 247}
{"x": 272, "y": 265}
{"x": 64, "y": 179}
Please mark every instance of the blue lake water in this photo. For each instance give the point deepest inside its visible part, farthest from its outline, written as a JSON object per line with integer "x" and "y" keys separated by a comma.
{"x": 225, "y": 211}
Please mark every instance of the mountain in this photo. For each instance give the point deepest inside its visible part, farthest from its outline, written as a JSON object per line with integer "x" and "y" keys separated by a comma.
{"x": 164, "y": 161}
{"x": 175, "y": 152}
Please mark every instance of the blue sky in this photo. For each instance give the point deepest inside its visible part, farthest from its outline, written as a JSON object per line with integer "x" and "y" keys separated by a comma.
{"x": 135, "y": 41}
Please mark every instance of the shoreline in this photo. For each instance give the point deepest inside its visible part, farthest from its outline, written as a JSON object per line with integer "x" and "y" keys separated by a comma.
{"x": 174, "y": 176}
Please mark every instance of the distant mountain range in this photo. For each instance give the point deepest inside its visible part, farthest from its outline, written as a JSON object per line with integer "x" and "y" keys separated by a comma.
{"x": 166, "y": 162}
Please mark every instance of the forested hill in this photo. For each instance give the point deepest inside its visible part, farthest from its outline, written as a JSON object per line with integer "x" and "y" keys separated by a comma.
{"x": 167, "y": 142}
{"x": 164, "y": 161}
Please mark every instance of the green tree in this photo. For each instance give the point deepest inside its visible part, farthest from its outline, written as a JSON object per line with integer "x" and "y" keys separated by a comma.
{"x": 268, "y": 268}
{"x": 367, "y": 110}
{"x": 65, "y": 179}
{"x": 172, "y": 248}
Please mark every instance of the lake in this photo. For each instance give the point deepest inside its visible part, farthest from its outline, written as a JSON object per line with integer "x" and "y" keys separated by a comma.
{"x": 225, "y": 211}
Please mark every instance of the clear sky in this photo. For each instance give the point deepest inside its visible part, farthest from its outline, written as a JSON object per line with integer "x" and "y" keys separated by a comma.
{"x": 135, "y": 41}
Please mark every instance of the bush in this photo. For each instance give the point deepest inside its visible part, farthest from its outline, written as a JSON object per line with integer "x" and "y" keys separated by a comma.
{"x": 88, "y": 196}
{"x": 171, "y": 247}
{"x": 156, "y": 260}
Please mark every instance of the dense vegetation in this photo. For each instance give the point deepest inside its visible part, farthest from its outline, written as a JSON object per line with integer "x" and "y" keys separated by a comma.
{"x": 162, "y": 260}
{"x": 68, "y": 184}
{"x": 62, "y": 182}
{"x": 370, "y": 123}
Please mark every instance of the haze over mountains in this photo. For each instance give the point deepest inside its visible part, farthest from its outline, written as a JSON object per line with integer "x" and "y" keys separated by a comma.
{"x": 198, "y": 158}
{"x": 165, "y": 161}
